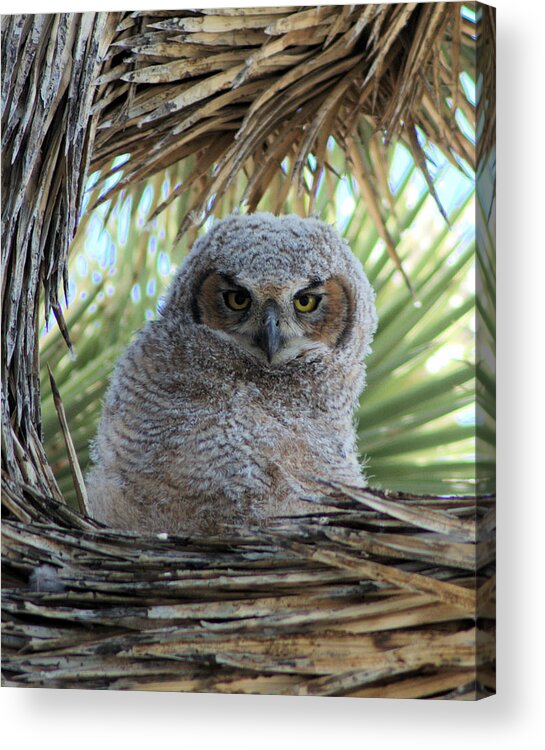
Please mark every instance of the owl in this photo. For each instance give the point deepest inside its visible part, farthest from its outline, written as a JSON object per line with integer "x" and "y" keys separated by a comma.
{"x": 245, "y": 386}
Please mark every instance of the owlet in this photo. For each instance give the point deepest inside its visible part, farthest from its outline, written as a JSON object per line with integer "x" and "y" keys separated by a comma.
{"x": 243, "y": 388}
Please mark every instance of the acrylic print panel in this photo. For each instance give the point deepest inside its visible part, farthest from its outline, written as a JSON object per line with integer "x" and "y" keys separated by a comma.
{"x": 246, "y": 516}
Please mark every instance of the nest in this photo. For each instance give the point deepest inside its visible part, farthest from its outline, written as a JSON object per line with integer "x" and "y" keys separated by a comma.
{"x": 385, "y": 595}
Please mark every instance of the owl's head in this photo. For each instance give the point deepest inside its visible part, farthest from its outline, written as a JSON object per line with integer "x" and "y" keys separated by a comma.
{"x": 277, "y": 290}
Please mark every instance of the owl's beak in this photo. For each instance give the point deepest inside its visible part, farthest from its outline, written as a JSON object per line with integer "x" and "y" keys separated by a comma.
{"x": 268, "y": 337}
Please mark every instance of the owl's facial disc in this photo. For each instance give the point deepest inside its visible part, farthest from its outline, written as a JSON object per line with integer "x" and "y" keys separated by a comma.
{"x": 275, "y": 322}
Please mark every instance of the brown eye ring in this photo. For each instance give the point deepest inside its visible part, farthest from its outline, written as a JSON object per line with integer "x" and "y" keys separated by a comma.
{"x": 237, "y": 300}
{"x": 306, "y": 303}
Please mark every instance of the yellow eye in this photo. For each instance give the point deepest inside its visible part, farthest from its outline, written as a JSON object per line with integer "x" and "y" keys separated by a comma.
{"x": 306, "y": 302}
{"x": 239, "y": 300}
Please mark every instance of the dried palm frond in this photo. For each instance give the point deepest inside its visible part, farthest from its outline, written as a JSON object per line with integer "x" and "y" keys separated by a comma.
{"x": 276, "y": 84}
{"x": 383, "y": 596}
{"x": 49, "y": 67}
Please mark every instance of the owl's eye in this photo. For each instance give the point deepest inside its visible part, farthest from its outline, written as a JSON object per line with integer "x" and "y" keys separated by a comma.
{"x": 306, "y": 302}
{"x": 238, "y": 301}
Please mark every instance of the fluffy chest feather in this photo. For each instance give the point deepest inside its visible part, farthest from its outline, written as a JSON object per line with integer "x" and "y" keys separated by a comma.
{"x": 236, "y": 438}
